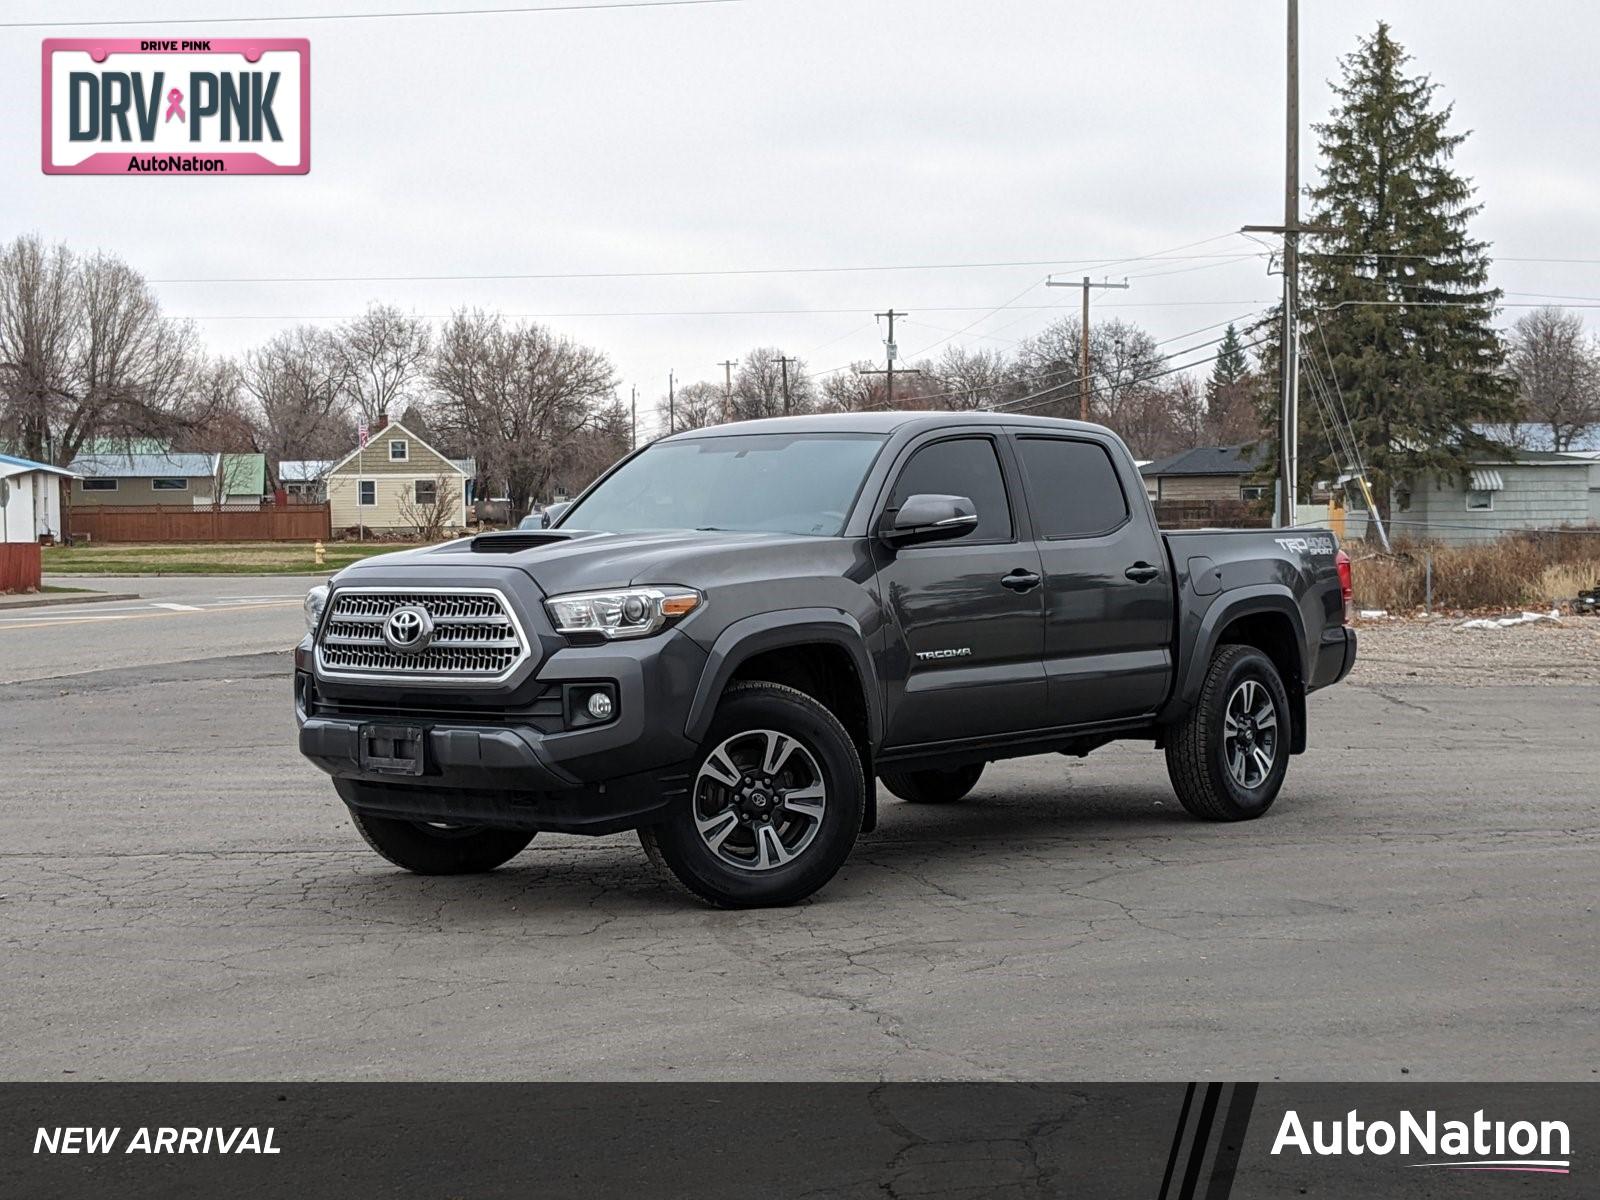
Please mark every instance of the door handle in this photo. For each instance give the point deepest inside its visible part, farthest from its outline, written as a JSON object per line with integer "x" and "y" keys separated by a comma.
{"x": 1142, "y": 572}
{"x": 1020, "y": 581}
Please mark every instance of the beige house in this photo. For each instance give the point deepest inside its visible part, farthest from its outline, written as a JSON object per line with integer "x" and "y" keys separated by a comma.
{"x": 397, "y": 483}
{"x": 1207, "y": 473}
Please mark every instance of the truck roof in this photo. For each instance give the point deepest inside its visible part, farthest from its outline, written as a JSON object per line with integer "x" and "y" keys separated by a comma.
{"x": 885, "y": 422}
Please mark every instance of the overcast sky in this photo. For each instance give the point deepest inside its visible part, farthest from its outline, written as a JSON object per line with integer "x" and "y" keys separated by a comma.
{"x": 806, "y": 133}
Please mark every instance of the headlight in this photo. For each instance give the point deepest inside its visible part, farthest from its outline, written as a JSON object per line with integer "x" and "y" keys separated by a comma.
{"x": 316, "y": 599}
{"x": 625, "y": 613}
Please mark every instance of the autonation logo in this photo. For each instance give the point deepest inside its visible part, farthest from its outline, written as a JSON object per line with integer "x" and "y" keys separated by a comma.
{"x": 1476, "y": 1145}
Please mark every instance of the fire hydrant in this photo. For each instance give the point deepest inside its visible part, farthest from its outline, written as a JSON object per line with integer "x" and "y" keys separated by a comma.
{"x": 318, "y": 551}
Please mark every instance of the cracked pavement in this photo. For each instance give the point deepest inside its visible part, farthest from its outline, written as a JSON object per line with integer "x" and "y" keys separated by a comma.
{"x": 181, "y": 897}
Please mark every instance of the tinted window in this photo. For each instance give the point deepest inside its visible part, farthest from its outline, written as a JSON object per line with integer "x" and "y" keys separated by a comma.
{"x": 803, "y": 483}
{"x": 1072, "y": 487}
{"x": 961, "y": 467}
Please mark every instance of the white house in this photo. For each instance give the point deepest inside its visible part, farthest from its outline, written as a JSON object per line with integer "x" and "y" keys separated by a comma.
{"x": 30, "y": 510}
{"x": 30, "y": 499}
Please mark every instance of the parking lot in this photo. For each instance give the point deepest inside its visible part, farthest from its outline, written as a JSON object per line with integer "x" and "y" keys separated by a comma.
{"x": 182, "y": 898}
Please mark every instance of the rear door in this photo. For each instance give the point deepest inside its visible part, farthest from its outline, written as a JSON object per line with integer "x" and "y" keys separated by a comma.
{"x": 970, "y": 611}
{"x": 1108, "y": 590}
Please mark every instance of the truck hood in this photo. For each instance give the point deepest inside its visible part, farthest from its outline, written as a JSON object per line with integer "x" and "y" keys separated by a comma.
{"x": 572, "y": 561}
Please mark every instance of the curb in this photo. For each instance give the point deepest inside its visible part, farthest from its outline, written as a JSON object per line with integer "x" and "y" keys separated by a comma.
{"x": 50, "y": 599}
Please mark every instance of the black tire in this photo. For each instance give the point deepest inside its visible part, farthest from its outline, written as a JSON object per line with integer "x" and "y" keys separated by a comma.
{"x": 1200, "y": 747}
{"x": 933, "y": 787}
{"x": 746, "y": 869}
{"x": 428, "y": 849}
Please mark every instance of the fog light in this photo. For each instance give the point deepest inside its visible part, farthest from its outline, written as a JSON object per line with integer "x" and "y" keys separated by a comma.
{"x": 599, "y": 706}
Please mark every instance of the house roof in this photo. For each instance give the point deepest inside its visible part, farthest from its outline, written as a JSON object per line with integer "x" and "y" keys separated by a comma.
{"x": 303, "y": 470}
{"x": 1509, "y": 457}
{"x": 144, "y": 466}
{"x": 243, "y": 474}
{"x": 10, "y": 464}
{"x": 1206, "y": 460}
{"x": 387, "y": 431}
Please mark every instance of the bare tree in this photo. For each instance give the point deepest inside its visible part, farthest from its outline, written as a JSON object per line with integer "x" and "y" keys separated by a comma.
{"x": 969, "y": 379}
{"x": 296, "y": 381}
{"x": 693, "y": 406}
{"x": 515, "y": 395}
{"x": 39, "y": 330}
{"x": 1557, "y": 373}
{"x": 758, "y": 386}
{"x": 383, "y": 355}
{"x": 853, "y": 390}
{"x": 430, "y": 507}
{"x": 86, "y": 352}
{"x": 1123, "y": 359}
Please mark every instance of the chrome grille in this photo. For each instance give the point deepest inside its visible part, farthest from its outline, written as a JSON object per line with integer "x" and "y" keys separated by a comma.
{"x": 476, "y": 638}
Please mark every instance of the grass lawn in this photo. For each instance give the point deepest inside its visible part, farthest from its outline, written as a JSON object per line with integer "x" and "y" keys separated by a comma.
{"x": 205, "y": 558}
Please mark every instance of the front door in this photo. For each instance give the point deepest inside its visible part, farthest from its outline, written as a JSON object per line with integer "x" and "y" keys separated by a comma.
{"x": 1108, "y": 591}
{"x": 969, "y": 612}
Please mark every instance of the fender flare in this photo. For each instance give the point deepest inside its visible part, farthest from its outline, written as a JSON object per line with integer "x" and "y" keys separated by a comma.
{"x": 754, "y": 635}
{"x": 1269, "y": 598}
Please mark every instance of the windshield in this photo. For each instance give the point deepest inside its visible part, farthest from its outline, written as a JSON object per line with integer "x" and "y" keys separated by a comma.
{"x": 773, "y": 483}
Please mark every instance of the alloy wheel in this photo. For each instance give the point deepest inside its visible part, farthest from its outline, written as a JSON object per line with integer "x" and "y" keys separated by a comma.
{"x": 1250, "y": 734}
{"x": 759, "y": 798}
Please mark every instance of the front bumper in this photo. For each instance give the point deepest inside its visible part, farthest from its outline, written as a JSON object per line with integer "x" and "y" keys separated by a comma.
{"x": 512, "y": 755}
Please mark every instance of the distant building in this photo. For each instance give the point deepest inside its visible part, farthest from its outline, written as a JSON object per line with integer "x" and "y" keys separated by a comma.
{"x": 242, "y": 480}
{"x": 30, "y": 512}
{"x": 1501, "y": 492}
{"x": 175, "y": 478}
{"x": 387, "y": 484}
{"x": 302, "y": 480}
{"x": 1208, "y": 473}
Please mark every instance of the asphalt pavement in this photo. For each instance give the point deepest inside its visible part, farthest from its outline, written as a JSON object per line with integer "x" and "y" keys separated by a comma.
{"x": 176, "y": 619}
{"x": 182, "y": 897}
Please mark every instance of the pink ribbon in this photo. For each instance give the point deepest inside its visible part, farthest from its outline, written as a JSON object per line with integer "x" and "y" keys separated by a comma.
{"x": 175, "y": 105}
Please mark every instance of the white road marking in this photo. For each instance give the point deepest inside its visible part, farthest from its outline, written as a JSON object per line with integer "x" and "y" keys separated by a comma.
{"x": 168, "y": 604}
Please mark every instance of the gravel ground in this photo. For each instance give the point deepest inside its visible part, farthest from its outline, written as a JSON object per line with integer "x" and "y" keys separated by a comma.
{"x": 1440, "y": 651}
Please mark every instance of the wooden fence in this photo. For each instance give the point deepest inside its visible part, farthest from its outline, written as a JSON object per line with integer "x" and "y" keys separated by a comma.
{"x": 159, "y": 523}
{"x": 1211, "y": 514}
{"x": 19, "y": 566}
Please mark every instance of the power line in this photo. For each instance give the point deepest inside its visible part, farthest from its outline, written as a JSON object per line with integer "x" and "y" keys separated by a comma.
{"x": 722, "y": 312}
{"x": 371, "y": 16}
{"x": 680, "y": 274}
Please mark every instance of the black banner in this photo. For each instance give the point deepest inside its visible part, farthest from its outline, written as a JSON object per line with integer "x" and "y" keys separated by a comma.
{"x": 1151, "y": 1141}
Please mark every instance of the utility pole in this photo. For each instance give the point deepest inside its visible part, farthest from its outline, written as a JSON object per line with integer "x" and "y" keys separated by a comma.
{"x": 1083, "y": 340}
{"x": 890, "y": 350}
{"x": 672, "y": 424}
{"x": 1283, "y": 506}
{"x": 784, "y": 361}
{"x": 727, "y": 366}
{"x": 633, "y": 417}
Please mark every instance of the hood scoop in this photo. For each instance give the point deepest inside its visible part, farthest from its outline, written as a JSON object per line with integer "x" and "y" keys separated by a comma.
{"x": 514, "y": 541}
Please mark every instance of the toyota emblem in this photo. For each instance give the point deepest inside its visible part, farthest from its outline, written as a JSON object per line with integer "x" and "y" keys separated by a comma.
{"x": 409, "y": 629}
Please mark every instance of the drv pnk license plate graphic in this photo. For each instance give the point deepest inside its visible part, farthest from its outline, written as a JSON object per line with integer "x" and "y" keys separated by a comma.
{"x": 176, "y": 106}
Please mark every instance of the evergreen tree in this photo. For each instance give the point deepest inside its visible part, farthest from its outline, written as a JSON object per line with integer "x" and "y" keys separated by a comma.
{"x": 1397, "y": 298}
{"x": 1231, "y": 393}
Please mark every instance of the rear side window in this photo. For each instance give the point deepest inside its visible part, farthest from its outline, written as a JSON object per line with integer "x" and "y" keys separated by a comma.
{"x": 1072, "y": 487}
{"x": 961, "y": 467}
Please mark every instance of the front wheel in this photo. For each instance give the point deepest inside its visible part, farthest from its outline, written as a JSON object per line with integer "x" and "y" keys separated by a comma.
{"x": 776, "y": 802}
{"x": 1228, "y": 757}
{"x": 436, "y": 848}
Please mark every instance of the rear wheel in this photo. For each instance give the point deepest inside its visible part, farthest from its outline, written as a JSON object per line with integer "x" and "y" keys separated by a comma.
{"x": 1228, "y": 758}
{"x": 438, "y": 848}
{"x": 933, "y": 787}
{"x": 776, "y": 802}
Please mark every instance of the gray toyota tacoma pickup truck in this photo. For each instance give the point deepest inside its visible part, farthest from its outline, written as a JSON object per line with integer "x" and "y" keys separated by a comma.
{"x": 732, "y": 634}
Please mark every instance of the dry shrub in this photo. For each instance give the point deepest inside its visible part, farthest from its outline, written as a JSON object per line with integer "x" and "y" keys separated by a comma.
{"x": 1516, "y": 571}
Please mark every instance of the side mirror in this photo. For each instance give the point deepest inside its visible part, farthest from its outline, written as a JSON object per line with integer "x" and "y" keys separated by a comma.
{"x": 553, "y": 513}
{"x": 929, "y": 519}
